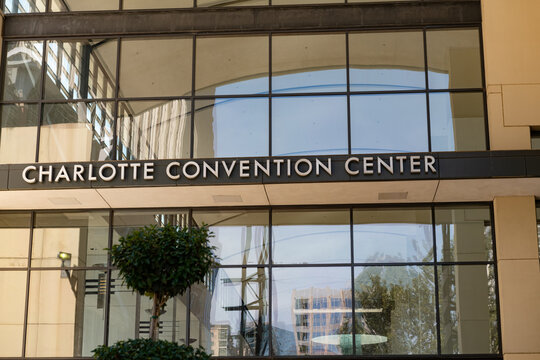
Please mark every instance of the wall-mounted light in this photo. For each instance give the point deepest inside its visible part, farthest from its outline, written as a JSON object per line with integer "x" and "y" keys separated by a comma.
{"x": 66, "y": 262}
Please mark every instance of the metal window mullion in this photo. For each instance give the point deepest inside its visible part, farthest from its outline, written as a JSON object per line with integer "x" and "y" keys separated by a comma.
{"x": 193, "y": 84}
{"x": 353, "y": 297}
{"x": 496, "y": 272}
{"x": 27, "y": 295}
{"x": 115, "y": 138}
{"x": 270, "y": 94}
{"x": 436, "y": 281}
{"x": 349, "y": 126}
{"x": 426, "y": 72}
{"x": 107, "y": 310}
{"x": 270, "y": 285}
{"x": 41, "y": 97}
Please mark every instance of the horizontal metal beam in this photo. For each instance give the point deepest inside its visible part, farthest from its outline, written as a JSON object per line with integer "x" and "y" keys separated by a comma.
{"x": 252, "y": 19}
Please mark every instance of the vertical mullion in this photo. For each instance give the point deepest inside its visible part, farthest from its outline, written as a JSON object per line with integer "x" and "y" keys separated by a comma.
{"x": 347, "y": 66}
{"x": 121, "y": 4}
{"x": 496, "y": 272}
{"x": 192, "y": 127}
{"x": 436, "y": 280}
{"x": 114, "y": 150}
{"x": 47, "y": 5}
{"x": 188, "y": 293}
{"x": 484, "y": 92}
{"x": 426, "y": 72}
{"x": 353, "y": 306}
{"x": 108, "y": 281}
{"x": 270, "y": 285}
{"x": 270, "y": 95}
{"x": 41, "y": 96}
{"x": 27, "y": 295}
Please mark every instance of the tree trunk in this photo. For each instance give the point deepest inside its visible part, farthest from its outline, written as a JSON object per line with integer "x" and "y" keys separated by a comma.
{"x": 154, "y": 320}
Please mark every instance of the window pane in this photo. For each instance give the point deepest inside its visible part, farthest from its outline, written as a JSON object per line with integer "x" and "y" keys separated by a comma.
{"x": 311, "y": 125}
{"x": 232, "y": 65}
{"x": 12, "y": 299}
{"x": 81, "y": 69}
{"x": 241, "y": 237}
{"x": 308, "y": 63}
{"x": 454, "y": 59}
{"x": 157, "y": 4}
{"x": 65, "y": 313}
{"x": 76, "y": 132}
{"x": 392, "y": 235}
{"x": 230, "y": 316}
{"x": 14, "y": 237}
{"x": 387, "y": 61}
{"x": 156, "y": 67}
{"x": 22, "y": 79}
{"x": 304, "y": 237}
{"x": 389, "y": 123}
{"x": 82, "y": 235}
{"x": 231, "y": 128}
{"x": 154, "y": 130}
{"x": 468, "y": 309}
{"x": 127, "y": 221}
{"x": 395, "y": 310}
{"x": 457, "y": 121}
{"x": 23, "y": 6}
{"x": 303, "y": 323}
{"x": 464, "y": 234}
{"x": 18, "y": 122}
{"x": 83, "y": 5}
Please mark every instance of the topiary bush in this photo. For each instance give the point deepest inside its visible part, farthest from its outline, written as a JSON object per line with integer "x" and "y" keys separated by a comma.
{"x": 148, "y": 349}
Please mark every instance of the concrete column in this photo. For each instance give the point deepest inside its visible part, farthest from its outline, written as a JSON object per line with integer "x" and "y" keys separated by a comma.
{"x": 519, "y": 276}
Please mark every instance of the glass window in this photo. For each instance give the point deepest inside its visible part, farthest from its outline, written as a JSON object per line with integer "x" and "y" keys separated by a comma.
{"x": 127, "y": 221}
{"x": 468, "y": 309}
{"x": 535, "y": 140}
{"x": 389, "y": 123}
{"x": 309, "y": 125}
{"x": 464, "y": 234}
{"x": 308, "y": 63}
{"x": 387, "y": 61}
{"x": 156, "y": 67}
{"x": 290, "y": 284}
{"x": 12, "y": 300}
{"x": 395, "y": 310}
{"x": 241, "y": 236}
{"x": 311, "y": 236}
{"x": 76, "y": 132}
{"x": 232, "y": 65}
{"x": 392, "y": 235}
{"x": 230, "y": 314}
{"x": 231, "y": 127}
{"x": 454, "y": 59}
{"x": 65, "y": 314}
{"x": 82, "y": 237}
{"x": 14, "y": 237}
{"x": 457, "y": 122}
{"x": 23, "y": 6}
{"x": 18, "y": 121}
{"x": 154, "y": 130}
{"x": 22, "y": 79}
{"x": 83, "y": 5}
{"x": 156, "y": 4}
{"x": 81, "y": 69}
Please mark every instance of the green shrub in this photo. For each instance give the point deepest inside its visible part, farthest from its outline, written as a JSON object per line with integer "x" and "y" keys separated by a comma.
{"x": 147, "y": 349}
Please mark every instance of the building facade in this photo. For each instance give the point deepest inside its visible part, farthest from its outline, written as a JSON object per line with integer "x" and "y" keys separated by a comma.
{"x": 368, "y": 169}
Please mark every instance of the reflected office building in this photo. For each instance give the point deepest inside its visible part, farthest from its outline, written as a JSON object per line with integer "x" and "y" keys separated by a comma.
{"x": 369, "y": 170}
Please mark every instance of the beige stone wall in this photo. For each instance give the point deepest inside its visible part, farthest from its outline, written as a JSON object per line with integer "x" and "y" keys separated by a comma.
{"x": 512, "y": 47}
{"x": 519, "y": 276}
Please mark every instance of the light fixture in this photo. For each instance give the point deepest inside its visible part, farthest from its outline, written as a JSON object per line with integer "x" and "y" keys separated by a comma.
{"x": 66, "y": 262}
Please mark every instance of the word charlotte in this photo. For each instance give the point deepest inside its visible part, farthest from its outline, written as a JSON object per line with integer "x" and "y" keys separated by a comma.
{"x": 226, "y": 169}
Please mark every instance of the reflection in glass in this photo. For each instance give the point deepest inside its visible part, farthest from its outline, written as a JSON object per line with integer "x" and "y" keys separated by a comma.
{"x": 12, "y": 299}
{"x": 389, "y": 123}
{"x": 156, "y": 67}
{"x": 127, "y": 221}
{"x": 14, "y": 236}
{"x": 23, "y": 6}
{"x": 156, "y": 4}
{"x": 83, "y": 5}
{"x": 154, "y": 130}
{"x": 392, "y": 235}
{"x": 304, "y": 237}
{"x": 241, "y": 236}
{"x": 308, "y": 63}
{"x": 130, "y": 315}
{"x": 65, "y": 313}
{"x": 387, "y": 61}
{"x": 454, "y": 59}
{"x": 229, "y": 316}
{"x": 18, "y": 121}
{"x": 468, "y": 309}
{"x": 82, "y": 235}
{"x": 309, "y": 125}
{"x": 311, "y": 309}
{"x": 240, "y": 68}
{"x": 457, "y": 122}
{"x": 463, "y": 234}
{"x": 215, "y": 3}
{"x": 76, "y": 132}
{"x": 22, "y": 79}
{"x": 395, "y": 310}
{"x": 81, "y": 69}
{"x": 231, "y": 128}
{"x": 306, "y": 2}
